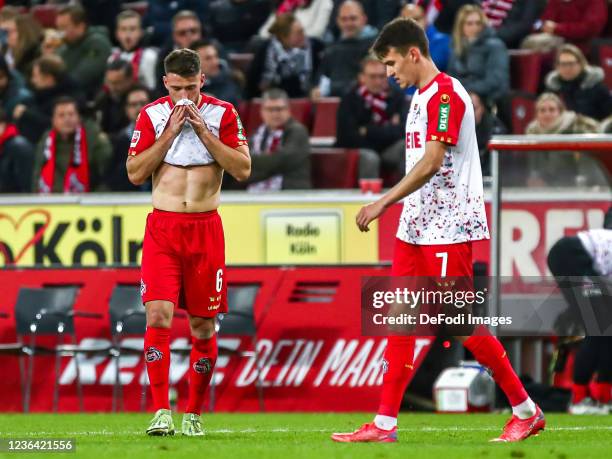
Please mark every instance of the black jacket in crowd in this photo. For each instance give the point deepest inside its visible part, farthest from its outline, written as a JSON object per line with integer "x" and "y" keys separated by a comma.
{"x": 353, "y": 114}
{"x": 37, "y": 117}
{"x": 587, "y": 94}
{"x": 16, "y": 163}
{"x": 519, "y": 21}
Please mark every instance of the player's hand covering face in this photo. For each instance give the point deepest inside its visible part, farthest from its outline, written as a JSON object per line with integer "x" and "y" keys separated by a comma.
{"x": 177, "y": 120}
{"x": 195, "y": 119}
{"x": 184, "y": 87}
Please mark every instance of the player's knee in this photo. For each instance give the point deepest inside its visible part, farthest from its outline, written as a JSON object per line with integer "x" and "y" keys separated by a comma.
{"x": 159, "y": 315}
{"x": 201, "y": 327}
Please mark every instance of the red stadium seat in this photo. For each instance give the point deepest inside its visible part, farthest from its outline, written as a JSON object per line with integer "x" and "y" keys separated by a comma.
{"x": 45, "y": 14}
{"x": 325, "y": 117}
{"x": 605, "y": 61}
{"x": 300, "y": 110}
{"x": 140, "y": 7}
{"x": 525, "y": 70}
{"x": 240, "y": 61}
{"x": 523, "y": 111}
{"x": 334, "y": 167}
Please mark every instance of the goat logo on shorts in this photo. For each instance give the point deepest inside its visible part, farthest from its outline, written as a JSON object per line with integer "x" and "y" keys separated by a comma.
{"x": 385, "y": 366}
{"x": 153, "y": 354}
{"x": 202, "y": 365}
{"x": 143, "y": 288}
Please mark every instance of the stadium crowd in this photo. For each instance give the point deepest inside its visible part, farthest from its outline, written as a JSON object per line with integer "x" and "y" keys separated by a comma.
{"x": 74, "y": 76}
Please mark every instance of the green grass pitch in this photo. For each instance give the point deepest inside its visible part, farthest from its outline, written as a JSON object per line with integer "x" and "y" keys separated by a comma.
{"x": 298, "y": 435}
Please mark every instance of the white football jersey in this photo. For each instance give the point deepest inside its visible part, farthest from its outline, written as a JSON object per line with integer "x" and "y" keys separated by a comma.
{"x": 450, "y": 207}
{"x": 598, "y": 244}
{"x": 187, "y": 149}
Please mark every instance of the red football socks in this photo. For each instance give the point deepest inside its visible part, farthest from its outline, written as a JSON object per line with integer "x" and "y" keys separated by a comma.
{"x": 157, "y": 360}
{"x": 490, "y": 353}
{"x": 579, "y": 392}
{"x": 398, "y": 368}
{"x": 201, "y": 366}
{"x": 603, "y": 392}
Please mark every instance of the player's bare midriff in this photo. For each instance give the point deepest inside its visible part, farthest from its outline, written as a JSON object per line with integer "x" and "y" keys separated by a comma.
{"x": 187, "y": 189}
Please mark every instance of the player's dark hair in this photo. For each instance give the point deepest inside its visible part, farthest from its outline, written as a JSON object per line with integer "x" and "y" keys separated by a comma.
{"x": 52, "y": 65}
{"x": 77, "y": 13}
{"x": 123, "y": 65}
{"x": 400, "y": 34}
{"x": 184, "y": 62}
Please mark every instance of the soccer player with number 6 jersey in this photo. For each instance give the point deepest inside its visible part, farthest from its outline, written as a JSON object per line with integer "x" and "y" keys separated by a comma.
{"x": 185, "y": 141}
{"x": 443, "y": 214}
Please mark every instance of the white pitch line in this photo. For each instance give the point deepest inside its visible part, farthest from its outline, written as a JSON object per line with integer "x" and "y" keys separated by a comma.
{"x": 293, "y": 431}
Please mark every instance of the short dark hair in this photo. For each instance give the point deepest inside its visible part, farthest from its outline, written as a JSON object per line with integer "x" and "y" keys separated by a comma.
{"x": 121, "y": 64}
{"x": 77, "y": 13}
{"x": 202, "y": 43}
{"x": 138, "y": 88}
{"x": 64, "y": 100}
{"x": 52, "y": 65}
{"x": 184, "y": 62}
{"x": 401, "y": 34}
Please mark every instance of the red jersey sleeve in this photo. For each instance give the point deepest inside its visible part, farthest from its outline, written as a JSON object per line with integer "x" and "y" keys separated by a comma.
{"x": 231, "y": 131}
{"x": 445, "y": 112}
{"x": 143, "y": 136}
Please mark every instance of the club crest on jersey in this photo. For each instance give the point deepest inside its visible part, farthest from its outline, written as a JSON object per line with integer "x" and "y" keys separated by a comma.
{"x": 153, "y": 354}
{"x": 202, "y": 365}
{"x": 443, "y": 114}
{"x": 135, "y": 139}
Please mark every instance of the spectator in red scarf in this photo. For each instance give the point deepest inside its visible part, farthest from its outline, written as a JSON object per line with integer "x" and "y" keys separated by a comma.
{"x": 71, "y": 157}
{"x": 280, "y": 150}
{"x": 16, "y": 159}
{"x": 129, "y": 34}
{"x": 370, "y": 117}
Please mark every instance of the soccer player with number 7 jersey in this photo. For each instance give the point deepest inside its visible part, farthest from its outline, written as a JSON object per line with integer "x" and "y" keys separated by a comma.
{"x": 443, "y": 214}
{"x": 185, "y": 141}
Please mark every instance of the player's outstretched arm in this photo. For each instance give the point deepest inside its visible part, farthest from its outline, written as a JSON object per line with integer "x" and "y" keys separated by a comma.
{"x": 140, "y": 167}
{"x": 419, "y": 175}
{"x": 236, "y": 161}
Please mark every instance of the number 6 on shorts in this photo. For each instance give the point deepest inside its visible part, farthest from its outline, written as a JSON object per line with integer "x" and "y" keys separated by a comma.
{"x": 219, "y": 280}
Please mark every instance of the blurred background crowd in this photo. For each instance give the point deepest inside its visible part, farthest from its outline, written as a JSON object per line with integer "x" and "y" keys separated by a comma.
{"x": 320, "y": 112}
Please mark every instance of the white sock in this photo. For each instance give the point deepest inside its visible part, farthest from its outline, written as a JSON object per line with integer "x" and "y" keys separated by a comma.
{"x": 385, "y": 422}
{"x": 524, "y": 410}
